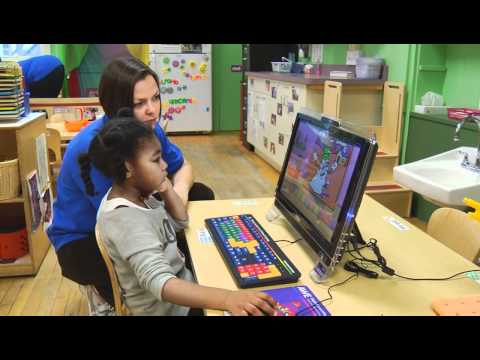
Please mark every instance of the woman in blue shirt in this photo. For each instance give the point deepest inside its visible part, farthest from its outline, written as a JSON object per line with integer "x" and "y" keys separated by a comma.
{"x": 124, "y": 83}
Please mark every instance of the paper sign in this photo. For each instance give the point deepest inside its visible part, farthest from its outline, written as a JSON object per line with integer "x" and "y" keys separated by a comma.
{"x": 42, "y": 161}
{"x": 396, "y": 223}
{"x": 204, "y": 236}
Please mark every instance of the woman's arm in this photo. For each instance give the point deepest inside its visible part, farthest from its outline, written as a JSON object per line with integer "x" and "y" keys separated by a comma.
{"x": 183, "y": 180}
{"x": 243, "y": 302}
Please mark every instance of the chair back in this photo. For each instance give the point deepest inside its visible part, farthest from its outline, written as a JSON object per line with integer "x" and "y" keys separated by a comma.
{"x": 456, "y": 230}
{"x": 54, "y": 145}
{"x": 120, "y": 307}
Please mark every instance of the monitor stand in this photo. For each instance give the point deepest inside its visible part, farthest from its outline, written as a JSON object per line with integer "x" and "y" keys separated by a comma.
{"x": 321, "y": 272}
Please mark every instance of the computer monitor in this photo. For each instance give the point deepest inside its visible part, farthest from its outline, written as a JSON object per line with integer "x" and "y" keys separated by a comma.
{"x": 321, "y": 184}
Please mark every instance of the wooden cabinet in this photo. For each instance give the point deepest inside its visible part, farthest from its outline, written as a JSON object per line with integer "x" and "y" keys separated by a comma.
{"x": 369, "y": 108}
{"x": 18, "y": 139}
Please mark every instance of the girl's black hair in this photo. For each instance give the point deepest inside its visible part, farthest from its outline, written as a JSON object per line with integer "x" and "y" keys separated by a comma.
{"x": 117, "y": 142}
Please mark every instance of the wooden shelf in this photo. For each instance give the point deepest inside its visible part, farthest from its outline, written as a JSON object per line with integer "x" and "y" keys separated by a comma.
{"x": 22, "y": 261}
{"x": 15, "y": 200}
{"x": 20, "y": 138}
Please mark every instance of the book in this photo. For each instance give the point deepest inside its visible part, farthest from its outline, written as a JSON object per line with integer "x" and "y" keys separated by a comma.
{"x": 297, "y": 301}
{"x": 341, "y": 75}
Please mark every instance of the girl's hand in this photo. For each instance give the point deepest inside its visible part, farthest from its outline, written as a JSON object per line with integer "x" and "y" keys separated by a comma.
{"x": 245, "y": 302}
{"x": 166, "y": 185}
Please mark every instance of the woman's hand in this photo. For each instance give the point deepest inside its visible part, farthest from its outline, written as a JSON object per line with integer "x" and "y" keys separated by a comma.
{"x": 246, "y": 302}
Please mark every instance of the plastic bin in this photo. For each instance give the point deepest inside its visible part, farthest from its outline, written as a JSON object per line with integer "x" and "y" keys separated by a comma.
{"x": 368, "y": 68}
{"x": 76, "y": 124}
{"x": 281, "y": 66}
{"x": 13, "y": 243}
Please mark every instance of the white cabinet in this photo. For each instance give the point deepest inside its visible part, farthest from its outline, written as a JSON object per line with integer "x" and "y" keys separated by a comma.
{"x": 272, "y": 108}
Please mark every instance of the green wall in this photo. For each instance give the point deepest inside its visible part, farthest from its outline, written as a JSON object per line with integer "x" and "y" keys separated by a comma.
{"x": 335, "y": 53}
{"x": 226, "y": 87}
{"x": 462, "y": 79}
{"x": 395, "y": 55}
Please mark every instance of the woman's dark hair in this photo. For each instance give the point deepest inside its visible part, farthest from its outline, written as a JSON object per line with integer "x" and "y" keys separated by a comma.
{"x": 118, "y": 81}
{"x": 117, "y": 142}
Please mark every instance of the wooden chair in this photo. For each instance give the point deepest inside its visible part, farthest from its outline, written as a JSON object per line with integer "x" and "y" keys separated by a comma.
{"x": 331, "y": 98}
{"x": 120, "y": 308}
{"x": 54, "y": 154}
{"x": 456, "y": 230}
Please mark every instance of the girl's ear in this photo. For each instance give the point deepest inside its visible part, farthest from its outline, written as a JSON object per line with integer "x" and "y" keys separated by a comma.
{"x": 129, "y": 167}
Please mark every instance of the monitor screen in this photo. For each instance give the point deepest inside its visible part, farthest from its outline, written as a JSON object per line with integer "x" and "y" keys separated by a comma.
{"x": 322, "y": 180}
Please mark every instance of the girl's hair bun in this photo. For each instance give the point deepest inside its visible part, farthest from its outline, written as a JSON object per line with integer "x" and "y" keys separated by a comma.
{"x": 125, "y": 112}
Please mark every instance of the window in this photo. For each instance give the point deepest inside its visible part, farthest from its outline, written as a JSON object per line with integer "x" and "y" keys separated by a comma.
{"x": 16, "y": 52}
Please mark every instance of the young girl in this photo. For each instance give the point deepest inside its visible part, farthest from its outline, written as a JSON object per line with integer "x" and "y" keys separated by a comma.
{"x": 139, "y": 231}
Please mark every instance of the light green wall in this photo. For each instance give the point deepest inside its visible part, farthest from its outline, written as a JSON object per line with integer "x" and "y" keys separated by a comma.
{"x": 335, "y": 53}
{"x": 462, "y": 79}
{"x": 395, "y": 55}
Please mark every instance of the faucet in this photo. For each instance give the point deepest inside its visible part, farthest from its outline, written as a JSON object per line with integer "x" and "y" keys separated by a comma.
{"x": 466, "y": 163}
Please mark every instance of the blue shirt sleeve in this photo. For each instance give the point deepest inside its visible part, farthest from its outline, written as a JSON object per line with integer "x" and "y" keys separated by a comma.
{"x": 170, "y": 152}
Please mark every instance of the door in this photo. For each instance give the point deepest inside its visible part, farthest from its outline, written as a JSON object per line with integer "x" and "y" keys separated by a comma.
{"x": 186, "y": 90}
{"x": 226, "y": 87}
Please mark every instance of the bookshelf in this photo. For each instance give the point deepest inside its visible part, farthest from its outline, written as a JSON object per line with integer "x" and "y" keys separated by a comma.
{"x": 17, "y": 138}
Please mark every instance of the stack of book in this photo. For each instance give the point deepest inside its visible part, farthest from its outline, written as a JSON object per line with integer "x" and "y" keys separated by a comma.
{"x": 11, "y": 91}
{"x": 341, "y": 75}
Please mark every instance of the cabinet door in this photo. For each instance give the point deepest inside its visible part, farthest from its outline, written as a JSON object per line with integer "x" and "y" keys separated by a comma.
{"x": 252, "y": 121}
{"x": 262, "y": 136}
{"x": 291, "y": 97}
{"x": 259, "y": 85}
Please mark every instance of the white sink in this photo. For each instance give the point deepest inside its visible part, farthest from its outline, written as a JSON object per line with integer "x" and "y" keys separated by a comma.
{"x": 441, "y": 177}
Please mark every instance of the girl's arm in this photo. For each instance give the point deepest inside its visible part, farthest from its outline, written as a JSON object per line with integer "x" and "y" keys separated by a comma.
{"x": 174, "y": 205}
{"x": 183, "y": 180}
{"x": 243, "y": 302}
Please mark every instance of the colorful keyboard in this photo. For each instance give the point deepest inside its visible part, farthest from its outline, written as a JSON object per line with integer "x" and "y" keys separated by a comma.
{"x": 249, "y": 252}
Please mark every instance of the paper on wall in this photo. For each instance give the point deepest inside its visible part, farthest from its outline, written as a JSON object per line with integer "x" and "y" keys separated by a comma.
{"x": 42, "y": 161}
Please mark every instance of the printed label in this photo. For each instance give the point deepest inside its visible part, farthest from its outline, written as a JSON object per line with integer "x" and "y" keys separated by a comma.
{"x": 244, "y": 202}
{"x": 396, "y": 223}
{"x": 204, "y": 236}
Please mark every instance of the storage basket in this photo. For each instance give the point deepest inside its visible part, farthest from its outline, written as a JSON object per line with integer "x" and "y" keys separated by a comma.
{"x": 9, "y": 179}
{"x": 368, "y": 68}
{"x": 281, "y": 66}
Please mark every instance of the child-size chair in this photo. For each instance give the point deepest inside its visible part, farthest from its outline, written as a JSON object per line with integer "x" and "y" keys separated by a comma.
{"x": 456, "y": 230}
{"x": 120, "y": 308}
{"x": 54, "y": 154}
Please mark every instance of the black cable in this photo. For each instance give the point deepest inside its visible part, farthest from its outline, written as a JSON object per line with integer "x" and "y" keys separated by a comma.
{"x": 437, "y": 279}
{"x": 382, "y": 263}
{"x": 329, "y": 294}
{"x": 291, "y": 242}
